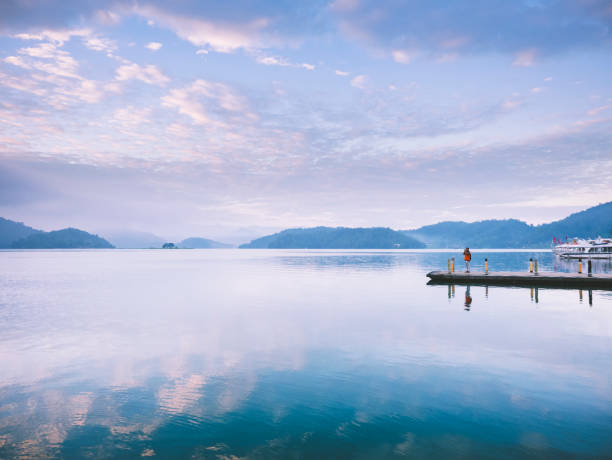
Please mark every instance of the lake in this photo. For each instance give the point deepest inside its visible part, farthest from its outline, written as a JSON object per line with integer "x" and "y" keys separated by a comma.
{"x": 228, "y": 354}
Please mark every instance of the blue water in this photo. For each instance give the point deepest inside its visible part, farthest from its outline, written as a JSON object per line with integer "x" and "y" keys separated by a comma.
{"x": 297, "y": 354}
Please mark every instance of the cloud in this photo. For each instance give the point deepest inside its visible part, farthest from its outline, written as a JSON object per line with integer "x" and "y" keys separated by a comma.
{"x": 344, "y": 5}
{"x": 511, "y": 104}
{"x": 341, "y": 73}
{"x": 208, "y": 103}
{"x": 132, "y": 116}
{"x": 46, "y": 57}
{"x": 61, "y": 36}
{"x": 404, "y": 56}
{"x": 147, "y": 74}
{"x": 360, "y": 81}
{"x": 154, "y": 46}
{"x": 220, "y": 36}
{"x": 597, "y": 110}
{"x": 100, "y": 44}
{"x": 88, "y": 91}
{"x": 425, "y": 28}
{"x": 282, "y": 62}
{"x": 57, "y": 37}
{"x": 525, "y": 58}
{"x": 54, "y": 75}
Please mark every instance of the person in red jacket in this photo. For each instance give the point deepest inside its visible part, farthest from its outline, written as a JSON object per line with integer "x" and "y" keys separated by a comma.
{"x": 467, "y": 256}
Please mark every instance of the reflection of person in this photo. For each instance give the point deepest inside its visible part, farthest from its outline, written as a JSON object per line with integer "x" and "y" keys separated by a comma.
{"x": 467, "y": 256}
{"x": 468, "y": 299}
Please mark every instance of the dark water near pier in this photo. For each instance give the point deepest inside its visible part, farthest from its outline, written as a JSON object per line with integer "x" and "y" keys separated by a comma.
{"x": 297, "y": 354}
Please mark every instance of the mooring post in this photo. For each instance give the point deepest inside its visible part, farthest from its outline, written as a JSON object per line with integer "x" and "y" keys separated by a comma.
{"x": 530, "y": 265}
{"x": 590, "y": 297}
{"x": 590, "y": 267}
{"x": 453, "y": 265}
{"x": 448, "y": 263}
{"x": 579, "y": 265}
{"x": 580, "y": 295}
{"x": 531, "y": 293}
{"x": 486, "y": 266}
{"x": 535, "y": 269}
{"x": 536, "y": 295}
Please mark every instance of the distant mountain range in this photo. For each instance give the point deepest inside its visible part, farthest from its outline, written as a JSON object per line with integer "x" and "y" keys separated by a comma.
{"x": 127, "y": 239}
{"x": 202, "y": 243}
{"x": 19, "y": 236}
{"x": 336, "y": 238}
{"x": 511, "y": 233}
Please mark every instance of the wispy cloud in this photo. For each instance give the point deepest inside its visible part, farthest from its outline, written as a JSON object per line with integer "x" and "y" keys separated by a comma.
{"x": 406, "y": 30}
{"x": 599, "y": 109}
{"x": 282, "y": 62}
{"x": 525, "y": 58}
{"x": 360, "y": 81}
{"x": 220, "y": 36}
{"x": 404, "y": 56}
{"x": 203, "y": 100}
{"x": 154, "y": 46}
{"x": 148, "y": 74}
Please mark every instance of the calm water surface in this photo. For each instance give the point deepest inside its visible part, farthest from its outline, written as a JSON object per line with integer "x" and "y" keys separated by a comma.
{"x": 296, "y": 354}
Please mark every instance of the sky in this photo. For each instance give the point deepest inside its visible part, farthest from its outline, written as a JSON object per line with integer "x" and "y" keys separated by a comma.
{"x": 230, "y": 120}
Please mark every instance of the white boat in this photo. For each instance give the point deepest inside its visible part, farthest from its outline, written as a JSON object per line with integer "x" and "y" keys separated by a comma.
{"x": 600, "y": 248}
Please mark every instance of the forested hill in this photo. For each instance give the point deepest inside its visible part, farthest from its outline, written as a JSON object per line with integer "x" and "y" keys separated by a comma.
{"x": 511, "y": 233}
{"x": 336, "y": 238}
{"x": 11, "y": 231}
{"x": 61, "y": 239}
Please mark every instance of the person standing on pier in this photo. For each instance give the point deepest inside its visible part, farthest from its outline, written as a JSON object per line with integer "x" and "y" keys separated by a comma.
{"x": 467, "y": 256}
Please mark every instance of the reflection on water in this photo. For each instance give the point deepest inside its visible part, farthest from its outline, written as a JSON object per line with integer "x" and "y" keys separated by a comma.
{"x": 534, "y": 293}
{"x": 468, "y": 298}
{"x": 571, "y": 265}
{"x": 306, "y": 354}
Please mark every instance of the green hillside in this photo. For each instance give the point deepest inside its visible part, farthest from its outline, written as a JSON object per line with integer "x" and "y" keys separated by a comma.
{"x": 11, "y": 231}
{"x": 67, "y": 238}
{"x": 336, "y": 238}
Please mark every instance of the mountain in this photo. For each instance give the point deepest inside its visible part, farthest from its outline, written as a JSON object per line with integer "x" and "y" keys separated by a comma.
{"x": 336, "y": 238}
{"x": 61, "y": 239}
{"x": 590, "y": 223}
{"x": 201, "y": 243}
{"x": 512, "y": 233}
{"x": 508, "y": 233}
{"x": 11, "y": 231}
{"x": 127, "y": 239}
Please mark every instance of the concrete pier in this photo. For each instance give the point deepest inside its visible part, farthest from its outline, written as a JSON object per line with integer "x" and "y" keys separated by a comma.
{"x": 544, "y": 279}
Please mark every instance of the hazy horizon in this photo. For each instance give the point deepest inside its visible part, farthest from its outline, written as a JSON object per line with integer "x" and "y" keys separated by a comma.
{"x": 207, "y": 119}
{"x": 236, "y": 236}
